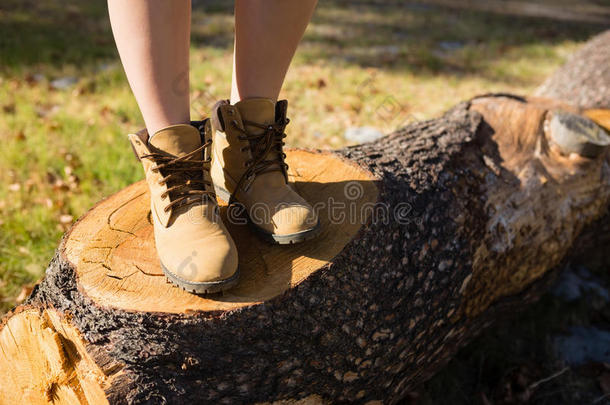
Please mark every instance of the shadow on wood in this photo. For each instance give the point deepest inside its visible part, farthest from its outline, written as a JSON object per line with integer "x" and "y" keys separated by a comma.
{"x": 112, "y": 247}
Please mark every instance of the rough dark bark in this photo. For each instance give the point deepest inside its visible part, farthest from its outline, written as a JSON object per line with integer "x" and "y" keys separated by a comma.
{"x": 481, "y": 213}
{"x": 584, "y": 80}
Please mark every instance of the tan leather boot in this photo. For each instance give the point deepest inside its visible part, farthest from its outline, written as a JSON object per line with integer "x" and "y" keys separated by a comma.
{"x": 194, "y": 247}
{"x": 248, "y": 168}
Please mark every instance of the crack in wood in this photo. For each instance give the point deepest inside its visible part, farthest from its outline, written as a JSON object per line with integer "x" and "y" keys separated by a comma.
{"x": 113, "y": 212}
{"x": 147, "y": 273}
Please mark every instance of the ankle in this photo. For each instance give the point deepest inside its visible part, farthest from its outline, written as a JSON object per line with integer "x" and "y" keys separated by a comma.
{"x": 154, "y": 126}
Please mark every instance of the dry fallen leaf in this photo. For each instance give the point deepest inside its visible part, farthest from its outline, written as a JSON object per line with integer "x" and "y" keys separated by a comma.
{"x": 65, "y": 219}
{"x": 26, "y": 290}
{"x": 51, "y": 177}
{"x": 9, "y": 108}
{"x": 60, "y": 185}
{"x": 14, "y": 84}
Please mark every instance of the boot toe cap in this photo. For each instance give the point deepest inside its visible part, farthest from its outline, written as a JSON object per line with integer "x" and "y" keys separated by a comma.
{"x": 209, "y": 260}
{"x": 294, "y": 219}
{"x": 286, "y": 219}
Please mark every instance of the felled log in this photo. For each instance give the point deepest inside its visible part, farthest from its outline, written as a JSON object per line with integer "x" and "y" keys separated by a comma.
{"x": 584, "y": 81}
{"x": 429, "y": 234}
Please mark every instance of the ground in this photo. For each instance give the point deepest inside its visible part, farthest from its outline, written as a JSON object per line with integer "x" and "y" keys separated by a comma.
{"x": 66, "y": 108}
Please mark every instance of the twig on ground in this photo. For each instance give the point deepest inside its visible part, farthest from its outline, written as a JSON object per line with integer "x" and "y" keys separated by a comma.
{"x": 549, "y": 378}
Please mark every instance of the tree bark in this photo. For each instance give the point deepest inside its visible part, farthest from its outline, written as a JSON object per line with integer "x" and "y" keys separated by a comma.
{"x": 584, "y": 80}
{"x": 466, "y": 217}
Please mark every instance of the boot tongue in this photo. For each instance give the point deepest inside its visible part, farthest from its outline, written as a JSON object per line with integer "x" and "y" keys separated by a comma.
{"x": 177, "y": 140}
{"x": 259, "y": 110}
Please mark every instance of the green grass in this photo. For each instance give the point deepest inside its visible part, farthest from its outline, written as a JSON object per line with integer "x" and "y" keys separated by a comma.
{"x": 361, "y": 63}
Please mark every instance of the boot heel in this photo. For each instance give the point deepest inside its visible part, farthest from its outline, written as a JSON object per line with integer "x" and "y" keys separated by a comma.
{"x": 140, "y": 138}
{"x": 134, "y": 151}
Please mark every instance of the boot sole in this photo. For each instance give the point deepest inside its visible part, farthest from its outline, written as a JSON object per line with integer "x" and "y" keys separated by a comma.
{"x": 201, "y": 288}
{"x": 288, "y": 239}
{"x": 273, "y": 238}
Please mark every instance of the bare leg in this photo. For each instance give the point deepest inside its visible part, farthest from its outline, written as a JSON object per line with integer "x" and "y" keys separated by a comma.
{"x": 152, "y": 37}
{"x": 267, "y": 33}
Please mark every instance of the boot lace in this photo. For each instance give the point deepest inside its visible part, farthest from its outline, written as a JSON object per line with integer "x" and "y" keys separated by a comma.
{"x": 261, "y": 146}
{"x": 184, "y": 176}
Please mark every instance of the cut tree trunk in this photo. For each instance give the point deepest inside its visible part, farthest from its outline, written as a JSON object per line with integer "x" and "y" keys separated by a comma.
{"x": 429, "y": 234}
{"x": 584, "y": 81}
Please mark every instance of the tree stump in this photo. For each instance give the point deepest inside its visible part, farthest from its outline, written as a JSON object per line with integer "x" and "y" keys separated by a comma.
{"x": 429, "y": 234}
